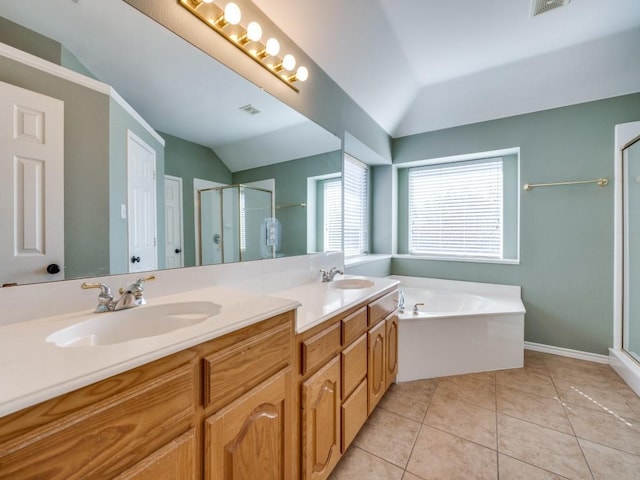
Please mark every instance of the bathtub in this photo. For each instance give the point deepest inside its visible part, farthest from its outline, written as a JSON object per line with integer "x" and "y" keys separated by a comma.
{"x": 463, "y": 327}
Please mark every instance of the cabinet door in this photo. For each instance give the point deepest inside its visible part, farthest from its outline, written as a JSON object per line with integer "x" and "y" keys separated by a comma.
{"x": 321, "y": 421}
{"x": 392, "y": 349}
{"x": 251, "y": 438}
{"x": 177, "y": 460}
{"x": 376, "y": 364}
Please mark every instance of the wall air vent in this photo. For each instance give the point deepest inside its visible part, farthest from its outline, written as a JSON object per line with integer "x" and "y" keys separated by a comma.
{"x": 250, "y": 109}
{"x": 541, "y": 6}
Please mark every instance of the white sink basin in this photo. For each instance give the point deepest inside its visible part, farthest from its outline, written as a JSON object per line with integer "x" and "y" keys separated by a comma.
{"x": 138, "y": 322}
{"x": 352, "y": 283}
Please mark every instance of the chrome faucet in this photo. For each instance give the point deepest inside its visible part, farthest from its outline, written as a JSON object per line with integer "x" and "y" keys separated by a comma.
{"x": 328, "y": 276}
{"x": 401, "y": 301}
{"x": 130, "y": 297}
{"x": 415, "y": 308}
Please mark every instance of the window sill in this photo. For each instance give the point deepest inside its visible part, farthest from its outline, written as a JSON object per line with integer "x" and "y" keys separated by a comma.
{"x": 458, "y": 259}
{"x": 362, "y": 259}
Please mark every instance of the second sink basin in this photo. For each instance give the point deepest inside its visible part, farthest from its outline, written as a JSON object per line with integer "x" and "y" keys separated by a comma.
{"x": 139, "y": 322}
{"x": 352, "y": 283}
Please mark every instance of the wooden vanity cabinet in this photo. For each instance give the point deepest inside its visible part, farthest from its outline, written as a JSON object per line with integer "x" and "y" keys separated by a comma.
{"x": 222, "y": 409}
{"x": 342, "y": 378}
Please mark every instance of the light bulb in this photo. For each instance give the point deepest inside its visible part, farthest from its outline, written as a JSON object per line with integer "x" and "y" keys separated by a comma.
{"x": 254, "y": 31}
{"x": 302, "y": 74}
{"x": 289, "y": 62}
{"x": 232, "y": 13}
{"x": 273, "y": 47}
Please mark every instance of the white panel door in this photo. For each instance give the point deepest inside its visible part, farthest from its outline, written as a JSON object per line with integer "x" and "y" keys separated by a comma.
{"x": 141, "y": 178}
{"x": 31, "y": 186}
{"x": 173, "y": 222}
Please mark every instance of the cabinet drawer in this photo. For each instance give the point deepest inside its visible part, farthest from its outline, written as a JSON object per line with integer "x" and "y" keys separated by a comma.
{"x": 102, "y": 440}
{"x": 234, "y": 371}
{"x": 354, "y": 414}
{"x": 354, "y": 325}
{"x": 320, "y": 348}
{"x": 354, "y": 365}
{"x": 382, "y": 307}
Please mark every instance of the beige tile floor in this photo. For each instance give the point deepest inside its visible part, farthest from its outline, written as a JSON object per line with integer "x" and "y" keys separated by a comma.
{"x": 556, "y": 418}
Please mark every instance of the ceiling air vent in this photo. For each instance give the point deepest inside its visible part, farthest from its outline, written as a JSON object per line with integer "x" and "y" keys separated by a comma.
{"x": 542, "y": 6}
{"x": 250, "y": 109}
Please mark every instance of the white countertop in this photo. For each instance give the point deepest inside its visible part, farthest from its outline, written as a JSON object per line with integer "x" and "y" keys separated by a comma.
{"x": 320, "y": 301}
{"x": 33, "y": 370}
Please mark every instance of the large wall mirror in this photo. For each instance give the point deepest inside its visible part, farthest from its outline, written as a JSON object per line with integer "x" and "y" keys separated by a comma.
{"x": 151, "y": 123}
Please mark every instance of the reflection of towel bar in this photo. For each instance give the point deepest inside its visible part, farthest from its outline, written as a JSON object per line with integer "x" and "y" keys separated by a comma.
{"x": 601, "y": 182}
{"x": 278, "y": 207}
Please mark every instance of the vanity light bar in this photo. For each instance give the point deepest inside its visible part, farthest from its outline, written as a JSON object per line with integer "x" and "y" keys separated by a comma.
{"x": 227, "y": 23}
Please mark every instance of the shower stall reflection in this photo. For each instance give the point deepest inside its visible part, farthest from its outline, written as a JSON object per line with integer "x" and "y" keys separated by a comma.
{"x": 236, "y": 224}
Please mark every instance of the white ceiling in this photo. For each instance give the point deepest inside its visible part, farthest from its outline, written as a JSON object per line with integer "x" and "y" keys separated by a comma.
{"x": 421, "y": 65}
{"x": 413, "y": 65}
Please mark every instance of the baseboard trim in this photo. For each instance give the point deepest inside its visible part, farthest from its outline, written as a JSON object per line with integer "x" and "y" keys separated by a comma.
{"x": 567, "y": 352}
{"x": 627, "y": 368}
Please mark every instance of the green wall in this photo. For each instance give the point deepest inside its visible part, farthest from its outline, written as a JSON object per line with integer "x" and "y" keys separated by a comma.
{"x": 189, "y": 160}
{"x": 566, "y": 233}
{"x": 291, "y": 187}
{"x": 29, "y": 41}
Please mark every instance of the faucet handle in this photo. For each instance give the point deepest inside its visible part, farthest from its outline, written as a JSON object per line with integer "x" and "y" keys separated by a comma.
{"x": 137, "y": 290}
{"x": 104, "y": 288}
{"x": 137, "y": 285}
{"x": 105, "y": 297}
{"x": 140, "y": 281}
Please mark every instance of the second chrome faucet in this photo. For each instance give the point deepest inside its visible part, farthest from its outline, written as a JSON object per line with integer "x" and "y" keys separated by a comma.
{"x": 328, "y": 276}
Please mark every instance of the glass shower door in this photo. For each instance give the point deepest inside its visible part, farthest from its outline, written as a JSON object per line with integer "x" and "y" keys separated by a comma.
{"x": 631, "y": 226}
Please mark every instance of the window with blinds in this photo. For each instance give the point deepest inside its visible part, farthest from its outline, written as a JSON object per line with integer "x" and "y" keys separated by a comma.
{"x": 332, "y": 215}
{"x": 456, "y": 209}
{"x": 356, "y": 207}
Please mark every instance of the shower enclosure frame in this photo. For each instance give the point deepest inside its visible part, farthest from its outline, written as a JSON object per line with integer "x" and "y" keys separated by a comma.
{"x": 627, "y": 367}
{"x": 220, "y": 189}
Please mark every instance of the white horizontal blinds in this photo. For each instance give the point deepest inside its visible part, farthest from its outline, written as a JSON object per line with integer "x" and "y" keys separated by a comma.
{"x": 332, "y": 220}
{"x": 455, "y": 209}
{"x": 356, "y": 209}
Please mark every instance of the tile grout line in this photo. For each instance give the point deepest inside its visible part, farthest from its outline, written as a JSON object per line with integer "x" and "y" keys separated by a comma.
{"x": 566, "y": 412}
{"x": 415, "y": 441}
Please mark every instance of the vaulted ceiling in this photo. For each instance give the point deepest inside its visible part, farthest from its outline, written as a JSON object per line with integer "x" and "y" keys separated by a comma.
{"x": 421, "y": 65}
